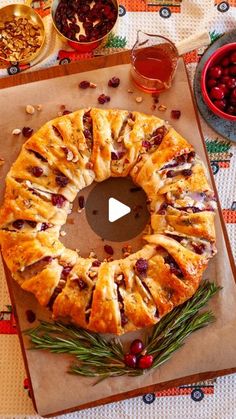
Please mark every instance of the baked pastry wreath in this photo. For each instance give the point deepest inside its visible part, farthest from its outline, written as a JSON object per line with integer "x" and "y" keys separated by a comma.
{"x": 68, "y": 154}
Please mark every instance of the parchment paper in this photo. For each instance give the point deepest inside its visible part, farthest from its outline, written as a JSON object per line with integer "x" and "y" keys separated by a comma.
{"x": 211, "y": 349}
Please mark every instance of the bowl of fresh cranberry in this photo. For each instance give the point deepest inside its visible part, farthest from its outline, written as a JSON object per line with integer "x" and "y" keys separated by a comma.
{"x": 84, "y": 24}
{"x": 218, "y": 82}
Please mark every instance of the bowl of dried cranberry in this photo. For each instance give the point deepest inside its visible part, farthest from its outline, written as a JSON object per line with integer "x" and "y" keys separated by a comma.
{"x": 218, "y": 82}
{"x": 84, "y": 24}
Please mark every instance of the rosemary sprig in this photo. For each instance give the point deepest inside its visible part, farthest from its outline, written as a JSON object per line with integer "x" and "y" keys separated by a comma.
{"x": 96, "y": 356}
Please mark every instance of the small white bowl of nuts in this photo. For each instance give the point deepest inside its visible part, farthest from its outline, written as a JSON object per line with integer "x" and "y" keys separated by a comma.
{"x": 22, "y": 34}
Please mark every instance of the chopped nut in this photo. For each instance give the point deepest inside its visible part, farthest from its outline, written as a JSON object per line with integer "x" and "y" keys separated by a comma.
{"x": 130, "y": 91}
{"x": 139, "y": 99}
{"x": 2, "y": 161}
{"x": 92, "y": 274}
{"x": 30, "y": 109}
{"x": 16, "y": 131}
{"x": 162, "y": 108}
{"x": 92, "y": 85}
{"x": 92, "y": 254}
{"x": 63, "y": 233}
{"x": 69, "y": 155}
{"x": 39, "y": 107}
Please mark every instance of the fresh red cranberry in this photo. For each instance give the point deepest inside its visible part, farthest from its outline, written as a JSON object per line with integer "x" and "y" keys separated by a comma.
{"x": 231, "y": 110}
{"x": 136, "y": 347}
{"x": 215, "y": 72}
{"x": 81, "y": 201}
{"x": 224, "y": 88}
{"x": 233, "y": 94}
{"x": 141, "y": 266}
{"x": 27, "y": 132}
{"x": 18, "y": 224}
{"x": 216, "y": 93}
{"x": 30, "y": 315}
{"x": 84, "y": 84}
{"x": 114, "y": 82}
{"x": 108, "y": 249}
{"x": 130, "y": 360}
{"x": 145, "y": 362}
{"x": 37, "y": 171}
{"x": 103, "y": 99}
{"x": 225, "y": 71}
{"x": 175, "y": 114}
{"x": 225, "y": 62}
{"x": 220, "y": 104}
{"x": 232, "y": 57}
{"x": 225, "y": 79}
{"x": 211, "y": 83}
{"x": 232, "y": 70}
{"x": 58, "y": 200}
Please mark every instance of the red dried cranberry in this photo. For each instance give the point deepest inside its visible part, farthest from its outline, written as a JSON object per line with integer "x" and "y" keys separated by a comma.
{"x": 114, "y": 82}
{"x": 96, "y": 263}
{"x": 103, "y": 99}
{"x": 162, "y": 209}
{"x": 84, "y": 84}
{"x": 175, "y": 114}
{"x": 62, "y": 180}
{"x": 114, "y": 156}
{"x": 31, "y": 223}
{"x": 187, "y": 172}
{"x": 27, "y": 132}
{"x": 108, "y": 249}
{"x": 65, "y": 271}
{"x": 81, "y": 283}
{"x": 38, "y": 155}
{"x": 191, "y": 156}
{"x": 130, "y": 360}
{"x": 145, "y": 362}
{"x": 18, "y": 224}
{"x": 81, "y": 201}
{"x": 44, "y": 226}
{"x": 141, "y": 266}
{"x": 58, "y": 200}
{"x": 37, "y": 171}
{"x": 136, "y": 347}
{"x": 171, "y": 173}
{"x": 30, "y": 315}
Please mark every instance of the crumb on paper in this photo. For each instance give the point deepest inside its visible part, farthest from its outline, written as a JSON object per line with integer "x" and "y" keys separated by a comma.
{"x": 130, "y": 91}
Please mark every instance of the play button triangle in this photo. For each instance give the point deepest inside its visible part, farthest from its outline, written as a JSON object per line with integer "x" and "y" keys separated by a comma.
{"x": 116, "y": 210}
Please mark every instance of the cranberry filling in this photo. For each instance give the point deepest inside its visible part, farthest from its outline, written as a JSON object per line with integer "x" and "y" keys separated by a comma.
{"x": 199, "y": 248}
{"x": 62, "y": 180}
{"x": 141, "y": 266}
{"x": 88, "y": 307}
{"x": 123, "y": 317}
{"x": 32, "y": 223}
{"x": 65, "y": 271}
{"x": 44, "y": 226}
{"x": 38, "y": 155}
{"x": 96, "y": 263}
{"x": 18, "y": 224}
{"x": 174, "y": 267}
{"x": 58, "y": 200}
{"x": 81, "y": 283}
{"x": 57, "y": 132}
{"x": 37, "y": 171}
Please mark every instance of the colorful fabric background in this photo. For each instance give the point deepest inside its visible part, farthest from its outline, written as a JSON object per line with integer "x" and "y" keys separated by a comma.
{"x": 176, "y": 20}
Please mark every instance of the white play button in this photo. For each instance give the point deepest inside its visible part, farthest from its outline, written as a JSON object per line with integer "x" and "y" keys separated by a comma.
{"x": 116, "y": 210}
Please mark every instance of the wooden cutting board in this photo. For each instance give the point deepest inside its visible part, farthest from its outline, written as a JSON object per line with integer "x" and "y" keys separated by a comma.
{"x": 24, "y": 92}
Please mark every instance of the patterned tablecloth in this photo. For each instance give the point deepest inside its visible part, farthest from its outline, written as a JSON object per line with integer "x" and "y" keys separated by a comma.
{"x": 177, "y": 20}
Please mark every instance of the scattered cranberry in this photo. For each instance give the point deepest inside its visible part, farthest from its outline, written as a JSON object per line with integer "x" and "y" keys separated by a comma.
{"x": 136, "y": 347}
{"x": 96, "y": 263}
{"x": 18, "y": 224}
{"x": 145, "y": 362}
{"x": 62, "y": 180}
{"x": 66, "y": 112}
{"x": 130, "y": 360}
{"x": 27, "y": 132}
{"x": 215, "y": 72}
{"x": 30, "y": 315}
{"x": 103, "y": 99}
{"x": 32, "y": 224}
{"x": 84, "y": 84}
{"x": 81, "y": 283}
{"x": 58, "y": 200}
{"x": 187, "y": 172}
{"x": 37, "y": 171}
{"x": 216, "y": 93}
{"x": 114, "y": 82}
{"x": 175, "y": 114}
{"x": 108, "y": 249}
{"x": 81, "y": 201}
{"x": 65, "y": 271}
{"x": 141, "y": 266}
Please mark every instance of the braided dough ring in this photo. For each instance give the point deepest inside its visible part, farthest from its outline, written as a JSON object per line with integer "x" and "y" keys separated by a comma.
{"x": 68, "y": 154}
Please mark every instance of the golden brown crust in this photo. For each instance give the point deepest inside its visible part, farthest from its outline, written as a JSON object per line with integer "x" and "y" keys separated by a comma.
{"x": 66, "y": 155}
